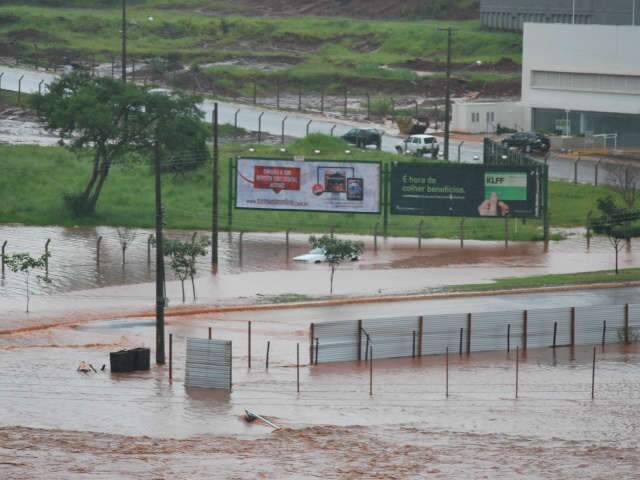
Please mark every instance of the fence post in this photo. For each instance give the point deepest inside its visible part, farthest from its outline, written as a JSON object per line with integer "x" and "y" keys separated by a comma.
{"x": 277, "y": 95}
{"x": 593, "y": 375}
{"x": 575, "y": 171}
{"x": 462, "y": 233}
{"x": 604, "y": 332}
{"x": 573, "y": 326}
{"x": 283, "y": 122}
{"x": 235, "y": 118}
{"x": 210, "y": 333}
{"x": 311, "y": 337}
{"x": 413, "y": 345}
{"x": 255, "y": 92}
{"x": 98, "y": 242}
{"x": 589, "y": 229}
{"x": 508, "y": 338}
{"x": 321, "y": 102}
{"x": 4, "y": 245}
{"x": 366, "y": 348}
{"x": 333, "y": 129}
{"x": 517, "y": 369}
{"x": 468, "y": 333}
{"x": 333, "y": 230}
{"x": 420, "y": 334}
{"x": 420, "y": 234}
{"x": 359, "y": 340}
{"x": 375, "y": 236}
{"x": 346, "y": 99}
{"x": 308, "y": 125}
{"x": 20, "y": 90}
{"x": 506, "y": 232}
{"x": 555, "y": 333}
{"x": 297, "y": 367}
{"x": 249, "y": 344}
{"x": 371, "y": 371}
{"x": 525, "y": 328}
{"x": 626, "y": 323}
{"x": 446, "y": 369}
{"x": 596, "y": 173}
{"x": 260, "y": 127}
{"x": 461, "y": 337}
{"x": 171, "y": 358}
{"x": 149, "y": 239}
{"x": 240, "y": 245}
{"x": 300, "y": 99}
{"x": 368, "y": 106}
{"x": 269, "y": 348}
{"x": 46, "y": 258}
{"x": 317, "y": 349}
{"x": 287, "y": 243}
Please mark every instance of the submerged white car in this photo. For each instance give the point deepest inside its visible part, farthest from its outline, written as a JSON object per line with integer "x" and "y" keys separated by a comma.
{"x": 317, "y": 255}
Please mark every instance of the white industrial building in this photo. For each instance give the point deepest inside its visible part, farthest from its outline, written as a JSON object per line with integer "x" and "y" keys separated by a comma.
{"x": 577, "y": 80}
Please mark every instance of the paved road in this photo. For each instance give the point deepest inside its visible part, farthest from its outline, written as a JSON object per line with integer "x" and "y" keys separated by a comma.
{"x": 296, "y": 126}
{"x": 578, "y": 298}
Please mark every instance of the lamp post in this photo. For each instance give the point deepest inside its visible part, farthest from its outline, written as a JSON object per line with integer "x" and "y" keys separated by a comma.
{"x": 447, "y": 111}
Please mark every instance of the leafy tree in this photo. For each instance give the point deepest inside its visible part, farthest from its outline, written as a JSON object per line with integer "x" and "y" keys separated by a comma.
{"x": 24, "y": 263}
{"x": 619, "y": 224}
{"x": 183, "y": 258}
{"x": 336, "y": 251}
{"x": 625, "y": 179}
{"x": 112, "y": 119}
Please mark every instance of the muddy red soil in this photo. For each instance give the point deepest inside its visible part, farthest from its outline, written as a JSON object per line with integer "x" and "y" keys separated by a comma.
{"x": 344, "y": 8}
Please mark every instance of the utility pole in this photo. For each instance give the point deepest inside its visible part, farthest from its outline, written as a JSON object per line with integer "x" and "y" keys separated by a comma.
{"x": 216, "y": 185}
{"x": 160, "y": 293}
{"x": 447, "y": 108}
{"x": 124, "y": 41}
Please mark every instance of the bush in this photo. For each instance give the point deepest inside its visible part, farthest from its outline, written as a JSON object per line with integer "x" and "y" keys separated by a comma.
{"x": 381, "y": 107}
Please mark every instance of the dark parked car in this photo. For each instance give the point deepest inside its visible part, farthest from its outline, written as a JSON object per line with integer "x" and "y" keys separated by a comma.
{"x": 527, "y": 142}
{"x": 362, "y": 137}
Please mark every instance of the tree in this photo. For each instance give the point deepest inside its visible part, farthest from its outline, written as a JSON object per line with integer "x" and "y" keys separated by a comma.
{"x": 112, "y": 119}
{"x": 336, "y": 251}
{"x": 619, "y": 224}
{"x": 625, "y": 179}
{"x": 24, "y": 263}
{"x": 183, "y": 258}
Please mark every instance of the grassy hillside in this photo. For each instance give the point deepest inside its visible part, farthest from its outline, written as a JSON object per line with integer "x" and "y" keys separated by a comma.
{"x": 35, "y": 179}
{"x": 227, "y": 52}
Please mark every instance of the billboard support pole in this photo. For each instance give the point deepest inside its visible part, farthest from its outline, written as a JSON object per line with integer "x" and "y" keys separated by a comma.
{"x": 385, "y": 199}
{"x": 230, "y": 196}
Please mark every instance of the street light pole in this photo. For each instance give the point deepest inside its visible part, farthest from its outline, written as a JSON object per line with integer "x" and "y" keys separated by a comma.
{"x": 447, "y": 108}
{"x": 124, "y": 40}
{"x": 160, "y": 291}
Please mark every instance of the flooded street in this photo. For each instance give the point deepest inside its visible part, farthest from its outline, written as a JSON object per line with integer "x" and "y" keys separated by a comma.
{"x": 141, "y": 425}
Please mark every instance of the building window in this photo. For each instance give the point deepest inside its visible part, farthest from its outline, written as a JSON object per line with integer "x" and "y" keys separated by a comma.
{"x": 586, "y": 82}
{"x": 475, "y": 117}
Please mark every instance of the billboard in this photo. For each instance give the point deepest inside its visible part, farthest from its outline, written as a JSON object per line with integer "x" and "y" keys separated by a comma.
{"x": 464, "y": 190}
{"x": 312, "y": 185}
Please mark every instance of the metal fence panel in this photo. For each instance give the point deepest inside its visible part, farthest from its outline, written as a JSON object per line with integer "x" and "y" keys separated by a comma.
{"x": 337, "y": 341}
{"x": 208, "y": 363}
{"x": 442, "y": 331}
{"x": 540, "y": 327}
{"x": 489, "y": 330}
{"x": 590, "y": 323}
{"x": 391, "y": 337}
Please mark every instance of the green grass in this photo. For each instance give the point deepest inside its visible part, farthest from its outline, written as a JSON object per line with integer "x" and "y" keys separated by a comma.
{"x": 604, "y": 276}
{"x": 34, "y": 180}
{"x": 324, "y": 52}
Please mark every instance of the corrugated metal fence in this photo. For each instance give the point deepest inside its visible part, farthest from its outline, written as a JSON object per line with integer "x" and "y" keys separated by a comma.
{"x": 208, "y": 363}
{"x": 478, "y": 332}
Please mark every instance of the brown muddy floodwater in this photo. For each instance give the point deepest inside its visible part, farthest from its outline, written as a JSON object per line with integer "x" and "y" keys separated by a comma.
{"x": 57, "y": 423}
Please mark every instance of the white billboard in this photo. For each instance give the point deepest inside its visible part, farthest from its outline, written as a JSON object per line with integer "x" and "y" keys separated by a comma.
{"x": 324, "y": 186}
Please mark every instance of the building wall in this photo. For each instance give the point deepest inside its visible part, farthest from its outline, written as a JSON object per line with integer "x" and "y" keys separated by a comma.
{"x": 476, "y": 117}
{"x": 588, "y": 74}
{"x": 512, "y": 14}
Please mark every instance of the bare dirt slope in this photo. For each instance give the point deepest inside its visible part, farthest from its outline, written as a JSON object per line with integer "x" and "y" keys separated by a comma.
{"x": 462, "y": 9}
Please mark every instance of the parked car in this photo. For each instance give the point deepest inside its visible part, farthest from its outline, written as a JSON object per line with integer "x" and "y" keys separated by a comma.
{"x": 317, "y": 255}
{"x": 420, "y": 145}
{"x": 363, "y": 137}
{"x": 527, "y": 142}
